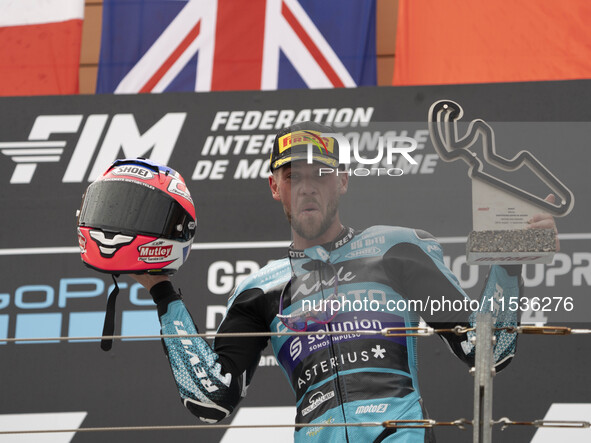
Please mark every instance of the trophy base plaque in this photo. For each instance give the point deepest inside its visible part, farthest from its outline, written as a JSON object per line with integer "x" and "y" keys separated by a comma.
{"x": 500, "y": 234}
{"x": 518, "y": 246}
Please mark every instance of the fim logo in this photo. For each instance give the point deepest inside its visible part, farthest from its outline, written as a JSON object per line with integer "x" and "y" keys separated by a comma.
{"x": 38, "y": 148}
{"x": 119, "y": 136}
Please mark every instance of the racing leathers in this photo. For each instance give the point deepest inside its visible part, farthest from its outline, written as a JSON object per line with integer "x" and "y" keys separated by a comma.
{"x": 378, "y": 278}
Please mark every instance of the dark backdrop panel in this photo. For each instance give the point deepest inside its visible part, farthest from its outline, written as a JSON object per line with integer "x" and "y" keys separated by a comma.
{"x": 48, "y": 292}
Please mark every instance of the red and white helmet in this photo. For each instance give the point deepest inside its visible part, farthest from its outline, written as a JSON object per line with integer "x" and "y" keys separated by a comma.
{"x": 138, "y": 217}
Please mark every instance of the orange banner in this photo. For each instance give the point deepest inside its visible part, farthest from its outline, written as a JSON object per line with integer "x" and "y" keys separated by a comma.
{"x": 454, "y": 41}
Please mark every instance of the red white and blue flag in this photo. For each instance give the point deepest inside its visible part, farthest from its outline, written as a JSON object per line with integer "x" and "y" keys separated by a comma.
{"x": 40, "y": 46}
{"x": 213, "y": 45}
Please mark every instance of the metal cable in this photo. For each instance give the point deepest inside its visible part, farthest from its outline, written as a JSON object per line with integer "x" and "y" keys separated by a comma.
{"x": 386, "y": 424}
{"x": 460, "y": 423}
{"x": 386, "y": 332}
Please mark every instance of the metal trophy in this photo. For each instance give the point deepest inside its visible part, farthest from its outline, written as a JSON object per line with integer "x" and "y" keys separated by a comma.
{"x": 500, "y": 210}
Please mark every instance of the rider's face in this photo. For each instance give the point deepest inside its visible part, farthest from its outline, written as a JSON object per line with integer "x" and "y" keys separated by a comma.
{"x": 310, "y": 198}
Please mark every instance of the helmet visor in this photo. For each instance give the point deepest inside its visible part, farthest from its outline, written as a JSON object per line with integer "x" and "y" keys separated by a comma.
{"x": 134, "y": 208}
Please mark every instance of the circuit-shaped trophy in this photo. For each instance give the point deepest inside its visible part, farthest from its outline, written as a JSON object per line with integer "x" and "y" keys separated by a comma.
{"x": 500, "y": 210}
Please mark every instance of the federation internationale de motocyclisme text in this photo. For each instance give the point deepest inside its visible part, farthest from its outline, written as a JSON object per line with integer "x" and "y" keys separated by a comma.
{"x": 434, "y": 305}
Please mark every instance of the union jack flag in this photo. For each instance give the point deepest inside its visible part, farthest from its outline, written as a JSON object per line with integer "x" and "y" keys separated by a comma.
{"x": 213, "y": 45}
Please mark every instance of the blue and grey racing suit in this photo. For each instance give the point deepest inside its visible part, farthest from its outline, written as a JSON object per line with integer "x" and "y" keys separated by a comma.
{"x": 383, "y": 277}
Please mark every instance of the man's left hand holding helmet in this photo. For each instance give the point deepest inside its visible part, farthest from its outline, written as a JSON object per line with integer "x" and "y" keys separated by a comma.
{"x": 137, "y": 218}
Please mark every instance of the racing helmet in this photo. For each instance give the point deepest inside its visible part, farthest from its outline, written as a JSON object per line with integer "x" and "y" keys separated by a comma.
{"x": 138, "y": 217}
